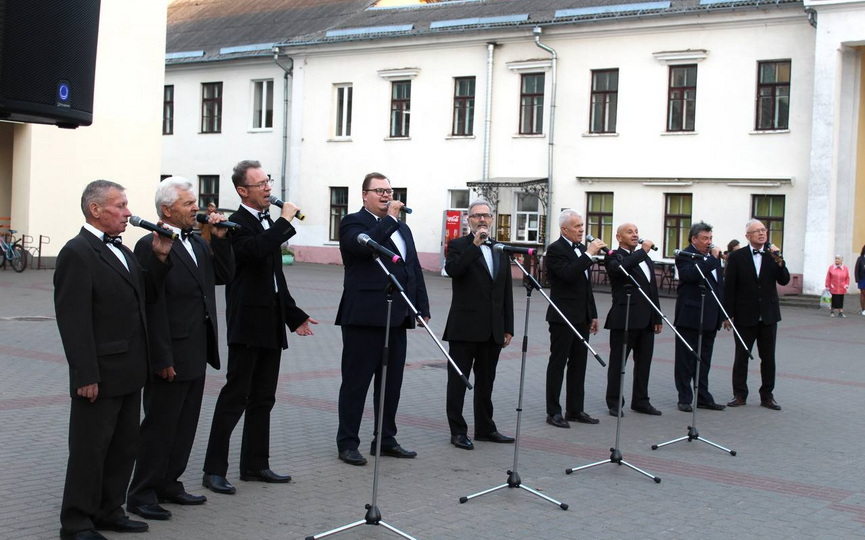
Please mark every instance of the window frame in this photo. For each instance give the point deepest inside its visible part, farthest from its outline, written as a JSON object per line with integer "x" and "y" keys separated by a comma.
{"x": 208, "y": 190}
{"x": 168, "y": 109}
{"x": 773, "y": 88}
{"x": 400, "y": 110}
{"x": 609, "y": 106}
{"x": 338, "y": 210}
{"x": 532, "y": 105}
{"x": 263, "y": 98}
{"x": 343, "y": 110}
{"x": 774, "y": 223}
{"x": 599, "y": 221}
{"x": 677, "y": 224}
{"x": 463, "y": 121}
{"x": 211, "y": 108}
{"x": 678, "y": 97}
{"x": 523, "y": 229}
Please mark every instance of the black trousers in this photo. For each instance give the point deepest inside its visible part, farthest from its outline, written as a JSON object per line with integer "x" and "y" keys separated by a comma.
{"x": 103, "y": 437}
{"x": 362, "y": 348}
{"x": 250, "y": 389}
{"x": 764, "y": 335}
{"x": 566, "y": 350}
{"x": 686, "y": 365}
{"x": 171, "y": 411}
{"x": 642, "y": 343}
{"x": 483, "y": 357}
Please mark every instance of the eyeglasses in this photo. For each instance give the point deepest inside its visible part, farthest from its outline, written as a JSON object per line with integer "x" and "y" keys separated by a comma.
{"x": 757, "y": 231}
{"x": 380, "y": 191}
{"x": 481, "y": 216}
{"x": 260, "y": 185}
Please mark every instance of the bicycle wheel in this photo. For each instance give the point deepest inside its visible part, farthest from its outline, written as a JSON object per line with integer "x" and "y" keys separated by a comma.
{"x": 19, "y": 258}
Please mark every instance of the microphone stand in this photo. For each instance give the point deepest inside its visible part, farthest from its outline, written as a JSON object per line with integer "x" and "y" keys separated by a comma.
{"x": 373, "y": 514}
{"x": 693, "y": 435}
{"x": 615, "y": 453}
{"x": 514, "y": 480}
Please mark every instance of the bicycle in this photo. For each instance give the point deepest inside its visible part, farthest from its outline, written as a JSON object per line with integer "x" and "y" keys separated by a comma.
{"x": 13, "y": 251}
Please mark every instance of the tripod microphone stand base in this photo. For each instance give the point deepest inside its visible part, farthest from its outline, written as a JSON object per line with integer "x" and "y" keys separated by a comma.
{"x": 694, "y": 436}
{"x": 616, "y": 459}
{"x": 373, "y": 517}
{"x": 515, "y": 482}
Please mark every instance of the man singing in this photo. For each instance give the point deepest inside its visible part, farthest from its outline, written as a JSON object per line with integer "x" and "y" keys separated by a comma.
{"x": 751, "y": 301}
{"x": 480, "y": 323}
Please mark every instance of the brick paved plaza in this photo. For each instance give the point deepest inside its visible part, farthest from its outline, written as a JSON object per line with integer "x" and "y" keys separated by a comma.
{"x": 798, "y": 473}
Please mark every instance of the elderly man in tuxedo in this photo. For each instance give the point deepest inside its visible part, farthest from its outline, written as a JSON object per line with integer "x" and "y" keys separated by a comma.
{"x": 362, "y": 314}
{"x": 687, "y": 320}
{"x": 642, "y": 321}
{"x": 183, "y": 343}
{"x": 569, "y": 270}
{"x": 100, "y": 297}
{"x": 751, "y": 301}
{"x": 480, "y": 323}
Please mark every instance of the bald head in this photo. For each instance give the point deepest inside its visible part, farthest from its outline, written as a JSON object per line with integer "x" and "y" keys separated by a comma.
{"x": 628, "y": 236}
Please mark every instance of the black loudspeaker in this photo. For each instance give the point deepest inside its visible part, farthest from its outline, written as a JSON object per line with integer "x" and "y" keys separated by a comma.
{"x": 48, "y": 61}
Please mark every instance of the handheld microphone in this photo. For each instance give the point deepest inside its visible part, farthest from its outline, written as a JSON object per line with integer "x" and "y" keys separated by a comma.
{"x": 654, "y": 247}
{"x": 279, "y": 202}
{"x": 768, "y": 245}
{"x": 201, "y": 218}
{"x": 365, "y": 240}
{"x": 138, "y": 222}
{"x": 590, "y": 239}
{"x": 484, "y": 236}
{"x": 504, "y": 248}
{"x": 405, "y": 209}
{"x": 683, "y": 253}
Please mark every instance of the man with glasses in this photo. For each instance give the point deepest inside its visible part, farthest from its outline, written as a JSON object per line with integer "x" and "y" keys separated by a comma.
{"x": 751, "y": 300}
{"x": 258, "y": 307}
{"x": 362, "y": 314}
{"x": 480, "y": 323}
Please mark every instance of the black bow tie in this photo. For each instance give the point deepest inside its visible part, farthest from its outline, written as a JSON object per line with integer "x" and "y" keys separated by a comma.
{"x": 264, "y": 216}
{"x": 185, "y": 233}
{"x": 579, "y": 246}
{"x": 116, "y": 240}
{"x": 757, "y": 252}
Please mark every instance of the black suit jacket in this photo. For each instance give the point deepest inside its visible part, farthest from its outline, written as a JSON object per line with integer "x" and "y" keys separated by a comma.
{"x": 482, "y": 308}
{"x": 186, "y": 316}
{"x": 749, "y": 298}
{"x": 642, "y": 315}
{"x": 570, "y": 288}
{"x": 688, "y": 292}
{"x": 101, "y": 315}
{"x": 250, "y": 296}
{"x": 363, "y": 295}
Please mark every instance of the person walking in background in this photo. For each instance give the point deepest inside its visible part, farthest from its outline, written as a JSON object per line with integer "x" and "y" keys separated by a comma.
{"x": 859, "y": 275}
{"x": 837, "y": 281}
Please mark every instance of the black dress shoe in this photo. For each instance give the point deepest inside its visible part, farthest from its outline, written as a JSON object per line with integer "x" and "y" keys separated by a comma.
{"x": 395, "y": 451}
{"x": 685, "y": 407}
{"x": 352, "y": 457}
{"x": 462, "y": 441}
{"x": 711, "y": 406}
{"x": 770, "y": 404}
{"x": 495, "y": 437}
{"x": 558, "y": 421}
{"x": 264, "y": 475}
{"x": 150, "y": 511}
{"x": 218, "y": 484}
{"x": 614, "y": 412}
{"x": 185, "y": 499}
{"x": 124, "y": 525}
{"x": 582, "y": 418}
{"x": 737, "y": 401}
{"x": 648, "y": 409}
{"x": 88, "y": 534}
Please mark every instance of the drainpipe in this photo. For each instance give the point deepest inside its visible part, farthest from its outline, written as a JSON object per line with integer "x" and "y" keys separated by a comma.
{"x": 288, "y": 72}
{"x": 555, "y": 56}
{"x": 488, "y": 120}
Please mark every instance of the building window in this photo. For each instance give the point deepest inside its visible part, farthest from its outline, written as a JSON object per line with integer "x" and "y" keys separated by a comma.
{"x": 599, "y": 215}
{"x": 528, "y": 217}
{"x": 682, "y": 104}
{"x": 168, "y": 110}
{"x": 211, "y": 107}
{"x": 262, "y": 104}
{"x": 532, "y": 104}
{"x": 503, "y": 227}
{"x": 208, "y": 190}
{"x": 459, "y": 199}
{"x": 400, "y": 108}
{"x": 338, "y": 210}
{"x": 401, "y": 195}
{"x": 343, "y": 110}
{"x": 769, "y": 209}
{"x": 773, "y": 95}
{"x": 464, "y": 106}
{"x": 677, "y": 222}
{"x": 605, "y": 100}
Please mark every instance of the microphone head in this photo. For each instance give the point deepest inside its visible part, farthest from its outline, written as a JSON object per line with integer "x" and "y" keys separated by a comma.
{"x": 201, "y": 218}
{"x": 362, "y": 239}
{"x": 274, "y": 200}
{"x": 590, "y": 238}
{"x": 135, "y": 220}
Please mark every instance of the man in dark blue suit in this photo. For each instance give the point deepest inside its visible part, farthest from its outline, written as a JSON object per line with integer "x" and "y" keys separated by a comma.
{"x": 687, "y": 319}
{"x": 362, "y": 314}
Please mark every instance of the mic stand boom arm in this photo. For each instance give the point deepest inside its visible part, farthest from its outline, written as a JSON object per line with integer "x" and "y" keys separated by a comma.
{"x": 724, "y": 311}
{"x": 396, "y": 285}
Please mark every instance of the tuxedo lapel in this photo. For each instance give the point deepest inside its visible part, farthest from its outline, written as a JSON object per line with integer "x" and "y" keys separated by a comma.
{"x": 180, "y": 252}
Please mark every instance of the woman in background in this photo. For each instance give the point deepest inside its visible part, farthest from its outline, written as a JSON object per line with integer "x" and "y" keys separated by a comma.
{"x": 837, "y": 281}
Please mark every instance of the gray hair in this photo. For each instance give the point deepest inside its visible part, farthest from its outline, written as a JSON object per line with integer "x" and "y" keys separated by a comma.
{"x": 697, "y": 228}
{"x": 96, "y": 192}
{"x": 168, "y": 192}
{"x": 566, "y": 216}
{"x": 751, "y": 222}
{"x": 481, "y": 201}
